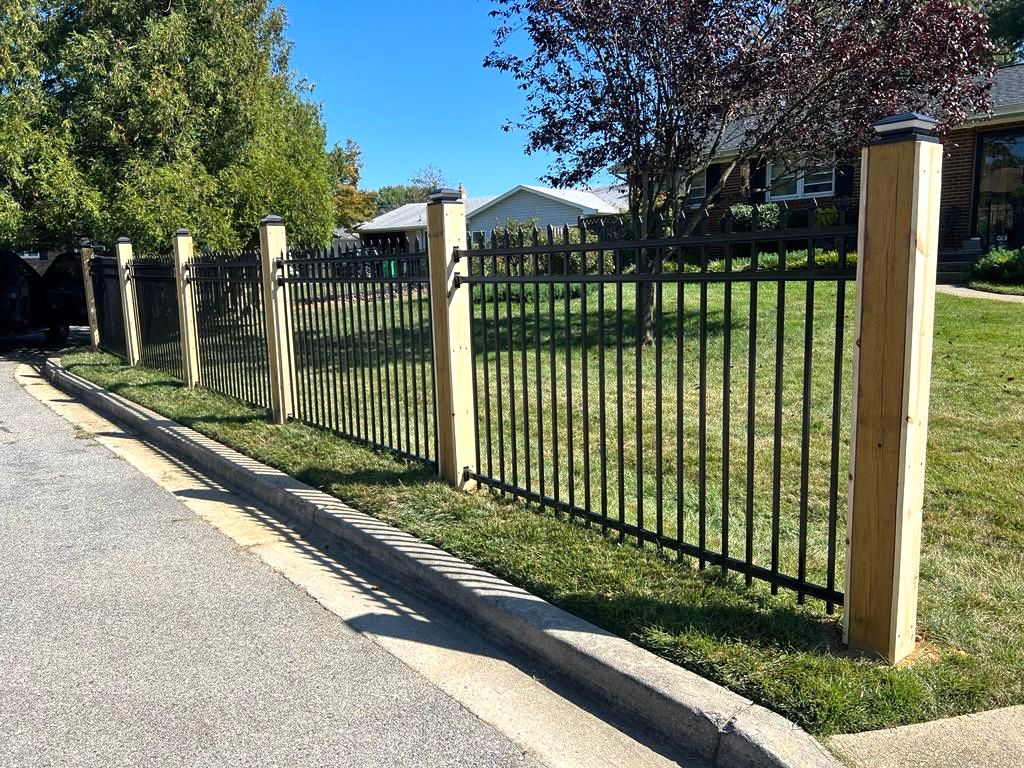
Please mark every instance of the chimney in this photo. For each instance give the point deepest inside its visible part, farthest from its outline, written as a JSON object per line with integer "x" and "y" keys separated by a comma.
{"x": 462, "y": 191}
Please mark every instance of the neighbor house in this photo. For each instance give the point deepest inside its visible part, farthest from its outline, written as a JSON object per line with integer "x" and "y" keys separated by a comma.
{"x": 982, "y": 179}
{"x": 545, "y": 206}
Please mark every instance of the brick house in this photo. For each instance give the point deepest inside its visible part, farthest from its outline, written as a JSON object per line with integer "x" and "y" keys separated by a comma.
{"x": 982, "y": 178}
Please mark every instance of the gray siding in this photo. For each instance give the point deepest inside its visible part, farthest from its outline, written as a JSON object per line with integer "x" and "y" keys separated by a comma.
{"x": 523, "y": 206}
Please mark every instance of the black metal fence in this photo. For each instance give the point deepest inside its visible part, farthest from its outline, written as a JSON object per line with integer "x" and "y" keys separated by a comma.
{"x": 109, "y": 314}
{"x": 362, "y": 345}
{"x": 685, "y": 391}
{"x": 231, "y": 325}
{"x": 156, "y": 295}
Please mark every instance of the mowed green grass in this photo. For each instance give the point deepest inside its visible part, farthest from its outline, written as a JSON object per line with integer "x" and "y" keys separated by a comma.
{"x": 567, "y": 412}
{"x": 781, "y": 654}
{"x": 749, "y": 368}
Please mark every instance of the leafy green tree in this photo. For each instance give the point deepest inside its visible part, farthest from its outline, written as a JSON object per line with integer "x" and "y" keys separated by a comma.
{"x": 1006, "y": 28}
{"x": 41, "y": 187}
{"x": 395, "y": 196}
{"x": 418, "y": 190}
{"x": 351, "y": 204}
{"x": 129, "y": 117}
{"x": 428, "y": 178}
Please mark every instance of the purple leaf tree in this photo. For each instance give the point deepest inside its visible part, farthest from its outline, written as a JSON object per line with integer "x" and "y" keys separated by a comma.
{"x": 658, "y": 90}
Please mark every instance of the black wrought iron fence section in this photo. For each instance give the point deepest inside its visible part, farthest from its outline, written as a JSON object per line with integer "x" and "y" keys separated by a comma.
{"x": 687, "y": 391}
{"x": 231, "y": 325}
{"x": 362, "y": 346}
{"x": 156, "y": 295}
{"x": 109, "y": 314}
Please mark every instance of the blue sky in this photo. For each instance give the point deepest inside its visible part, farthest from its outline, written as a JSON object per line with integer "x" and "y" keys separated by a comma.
{"x": 406, "y": 81}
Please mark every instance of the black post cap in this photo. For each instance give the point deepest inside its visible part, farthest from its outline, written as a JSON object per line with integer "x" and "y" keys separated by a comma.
{"x": 445, "y": 195}
{"x": 123, "y": 240}
{"x": 905, "y": 126}
{"x": 182, "y": 232}
{"x": 271, "y": 218}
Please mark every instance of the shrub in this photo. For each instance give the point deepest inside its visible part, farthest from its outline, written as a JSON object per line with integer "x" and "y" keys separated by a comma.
{"x": 828, "y": 216}
{"x": 511, "y": 232}
{"x": 1004, "y": 266}
{"x": 823, "y": 259}
{"x": 743, "y": 215}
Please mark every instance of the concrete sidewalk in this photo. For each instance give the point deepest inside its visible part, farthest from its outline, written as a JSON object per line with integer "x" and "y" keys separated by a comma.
{"x": 970, "y": 293}
{"x": 985, "y": 740}
{"x": 132, "y": 632}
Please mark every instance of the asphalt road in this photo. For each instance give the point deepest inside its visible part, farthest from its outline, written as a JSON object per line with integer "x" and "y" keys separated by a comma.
{"x": 133, "y": 633}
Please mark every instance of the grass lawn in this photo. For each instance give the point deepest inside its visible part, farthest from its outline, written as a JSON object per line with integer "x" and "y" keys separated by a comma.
{"x": 1008, "y": 289}
{"x": 664, "y": 480}
{"x": 767, "y": 647}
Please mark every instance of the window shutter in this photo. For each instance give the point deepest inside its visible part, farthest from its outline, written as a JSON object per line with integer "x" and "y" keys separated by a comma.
{"x": 712, "y": 177}
{"x": 844, "y": 180}
{"x": 758, "y": 181}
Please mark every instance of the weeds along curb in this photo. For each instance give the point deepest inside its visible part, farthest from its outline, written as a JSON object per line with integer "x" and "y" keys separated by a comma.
{"x": 721, "y": 726}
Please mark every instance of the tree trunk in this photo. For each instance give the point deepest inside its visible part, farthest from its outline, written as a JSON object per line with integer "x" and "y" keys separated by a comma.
{"x": 644, "y": 291}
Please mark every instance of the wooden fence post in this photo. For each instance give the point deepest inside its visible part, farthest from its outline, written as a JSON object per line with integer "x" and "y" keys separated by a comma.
{"x": 277, "y": 309}
{"x": 132, "y": 342}
{"x": 450, "y": 308}
{"x": 901, "y": 178}
{"x": 183, "y": 254}
{"x": 85, "y": 251}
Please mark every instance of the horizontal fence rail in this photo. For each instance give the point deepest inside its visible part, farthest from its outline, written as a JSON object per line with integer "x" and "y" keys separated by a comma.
{"x": 231, "y": 325}
{"x": 683, "y": 391}
{"x": 157, "y": 309}
{"x": 362, "y": 345}
{"x": 109, "y": 314}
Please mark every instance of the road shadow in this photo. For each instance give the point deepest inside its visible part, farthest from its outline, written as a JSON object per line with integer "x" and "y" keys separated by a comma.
{"x": 33, "y": 348}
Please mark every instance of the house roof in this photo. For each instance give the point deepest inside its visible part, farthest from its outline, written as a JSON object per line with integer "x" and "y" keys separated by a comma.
{"x": 345, "y": 235}
{"x": 413, "y": 216}
{"x": 1008, "y": 87}
{"x": 615, "y": 195}
{"x": 586, "y": 201}
{"x": 1007, "y": 99}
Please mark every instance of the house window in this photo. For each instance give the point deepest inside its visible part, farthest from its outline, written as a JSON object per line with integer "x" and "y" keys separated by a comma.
{"x": 698, "y": 189}
{"x": 1000, "y": 199}
{"x": 790, "y": 184}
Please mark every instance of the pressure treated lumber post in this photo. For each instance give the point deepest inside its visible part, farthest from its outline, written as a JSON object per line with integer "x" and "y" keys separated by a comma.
{"x": 276, "y": 305}
{"x": 450, "y": 315}
{"x": 901, "y": 177}
{"x": 85, "y": 251}
{"x": 183, "y": 255}
{"x": 132, "y": 342}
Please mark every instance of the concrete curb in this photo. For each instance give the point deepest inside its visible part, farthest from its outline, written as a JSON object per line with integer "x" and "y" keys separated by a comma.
{"x": 721, "y": 726}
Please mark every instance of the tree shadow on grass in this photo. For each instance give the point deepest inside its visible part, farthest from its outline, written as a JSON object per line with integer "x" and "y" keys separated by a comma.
{"x": 414, "y": 473}
{"x": 726, "y": 610}
{"x": 735, "y": 618}
{"x": 152, "y": 384}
